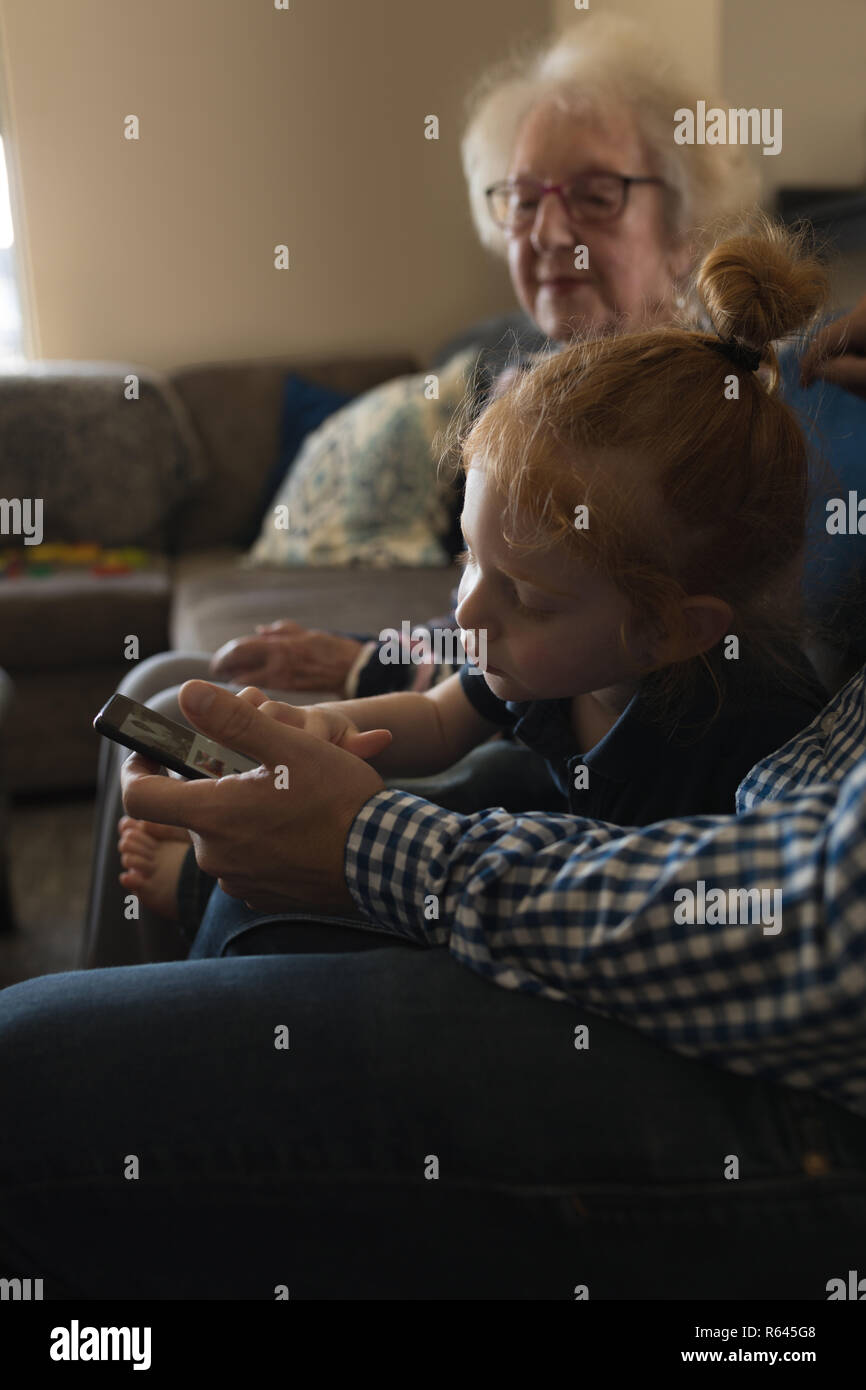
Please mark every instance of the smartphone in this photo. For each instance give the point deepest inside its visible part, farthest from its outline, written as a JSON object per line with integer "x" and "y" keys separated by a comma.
{"x": 167, "y": 742}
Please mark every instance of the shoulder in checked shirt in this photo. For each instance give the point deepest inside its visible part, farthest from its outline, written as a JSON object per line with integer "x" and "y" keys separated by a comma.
{"x": 580, "y": 911}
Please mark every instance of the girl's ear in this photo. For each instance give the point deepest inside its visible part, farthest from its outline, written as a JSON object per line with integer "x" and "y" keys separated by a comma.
{"x": 702, "y": 622}
{"x": 706, "y": 620}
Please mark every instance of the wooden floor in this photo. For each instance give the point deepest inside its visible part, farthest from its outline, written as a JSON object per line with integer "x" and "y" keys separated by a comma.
{"x": 49, "y": 845}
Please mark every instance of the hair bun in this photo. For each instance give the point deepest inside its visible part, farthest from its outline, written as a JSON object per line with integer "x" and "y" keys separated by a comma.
{"x": 759, "y": 286}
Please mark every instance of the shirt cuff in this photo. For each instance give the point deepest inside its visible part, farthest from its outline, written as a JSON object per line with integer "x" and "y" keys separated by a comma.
{"x": 385, "y": 863}
{"x": 351, "y": 683}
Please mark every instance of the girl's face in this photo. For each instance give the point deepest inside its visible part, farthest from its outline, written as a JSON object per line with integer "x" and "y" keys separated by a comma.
{"x": 552, "y": 627}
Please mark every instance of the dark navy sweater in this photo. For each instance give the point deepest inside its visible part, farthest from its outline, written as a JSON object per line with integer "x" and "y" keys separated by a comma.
{"x": 649, "y": 767}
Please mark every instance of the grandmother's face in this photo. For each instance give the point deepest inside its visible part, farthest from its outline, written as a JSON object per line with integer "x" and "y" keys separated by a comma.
{"x": 632, "y": 266}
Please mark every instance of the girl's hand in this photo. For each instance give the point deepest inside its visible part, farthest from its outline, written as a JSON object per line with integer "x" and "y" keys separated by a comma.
{"x": 325, "y": 721}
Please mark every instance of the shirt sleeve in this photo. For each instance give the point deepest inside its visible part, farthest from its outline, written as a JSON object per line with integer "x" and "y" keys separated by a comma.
{"x": 576, "y": 910}
{"x": 371, "y": 675}
{"x": 481, "y": 697}
{"x": 350, "y": 686}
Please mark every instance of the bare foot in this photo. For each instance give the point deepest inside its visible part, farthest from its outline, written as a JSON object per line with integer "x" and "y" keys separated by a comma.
{"x": 152, "y": 856}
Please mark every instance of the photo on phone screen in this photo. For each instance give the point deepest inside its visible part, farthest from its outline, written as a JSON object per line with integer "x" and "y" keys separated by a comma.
{"x": 165, "y": 741}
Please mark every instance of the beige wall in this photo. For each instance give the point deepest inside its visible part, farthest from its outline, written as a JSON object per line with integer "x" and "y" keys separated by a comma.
{"x": 257, "y": 127}
{"x": 810, "y": 60}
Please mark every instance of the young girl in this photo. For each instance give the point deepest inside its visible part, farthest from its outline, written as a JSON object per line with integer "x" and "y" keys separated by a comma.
{"x": 634, "y": 519}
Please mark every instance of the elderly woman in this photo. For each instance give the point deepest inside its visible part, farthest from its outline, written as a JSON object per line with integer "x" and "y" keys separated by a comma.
{"x": 574, "y": 177}
{"x": 566, "y": 147}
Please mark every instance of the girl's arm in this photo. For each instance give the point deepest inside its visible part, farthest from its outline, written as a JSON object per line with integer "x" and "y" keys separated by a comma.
{"x": 431, "y": 731}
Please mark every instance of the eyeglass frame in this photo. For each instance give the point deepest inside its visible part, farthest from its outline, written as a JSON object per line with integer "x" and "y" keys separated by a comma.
{"x": 559, "y": 189}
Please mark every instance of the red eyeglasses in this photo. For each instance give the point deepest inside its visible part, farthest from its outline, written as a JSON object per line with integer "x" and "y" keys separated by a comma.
{"x": 596, "y": 197}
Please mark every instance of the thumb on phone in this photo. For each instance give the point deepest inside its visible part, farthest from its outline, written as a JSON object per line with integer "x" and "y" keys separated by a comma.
{"x": 236, "y": 723}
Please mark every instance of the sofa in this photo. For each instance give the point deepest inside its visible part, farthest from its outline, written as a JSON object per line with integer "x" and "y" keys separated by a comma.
{"x": 172, "y": 465}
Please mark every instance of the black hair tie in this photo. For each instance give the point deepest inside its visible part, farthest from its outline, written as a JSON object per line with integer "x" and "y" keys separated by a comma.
{"x": 746, "y": 358}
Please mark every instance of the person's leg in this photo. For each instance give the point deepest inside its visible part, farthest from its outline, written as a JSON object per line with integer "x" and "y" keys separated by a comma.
{"x": 230, "y": 928}
{"x": 387, "y": 1124}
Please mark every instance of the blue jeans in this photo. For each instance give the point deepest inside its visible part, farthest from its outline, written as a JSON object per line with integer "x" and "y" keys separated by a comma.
{"x": 424, "y": 1135}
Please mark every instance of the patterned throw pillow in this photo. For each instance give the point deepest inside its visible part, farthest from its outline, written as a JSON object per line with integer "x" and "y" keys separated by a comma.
{"x": 365, "y": 488}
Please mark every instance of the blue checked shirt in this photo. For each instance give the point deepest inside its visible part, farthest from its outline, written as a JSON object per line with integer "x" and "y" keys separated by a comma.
{"x": 581, "y": 911}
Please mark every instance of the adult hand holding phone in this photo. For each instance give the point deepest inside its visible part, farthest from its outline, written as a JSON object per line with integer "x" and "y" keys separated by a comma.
{"x": 275, "y": 841}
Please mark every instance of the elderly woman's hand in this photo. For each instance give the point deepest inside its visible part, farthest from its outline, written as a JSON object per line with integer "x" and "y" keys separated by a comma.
{"x": 287, "y": 656}
{"x": 838, "y": 353}
{"x": 276, "y": 846}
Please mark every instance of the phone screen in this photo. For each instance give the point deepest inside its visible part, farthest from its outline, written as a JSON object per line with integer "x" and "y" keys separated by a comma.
{"x": 167, "y": 742}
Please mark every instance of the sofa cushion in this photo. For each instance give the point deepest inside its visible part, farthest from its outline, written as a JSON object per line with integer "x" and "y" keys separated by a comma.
{"x": 74, "y": 619}
{"x": 215, "y": 599}
{"x": 235, "y": 409}
{"x": 107, "y": 468}
{"x": 365, "y": 489}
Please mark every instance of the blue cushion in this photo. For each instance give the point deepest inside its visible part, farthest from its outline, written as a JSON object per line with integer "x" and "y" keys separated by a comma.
{"x": 835, "y": 425}
{"x": 304, "y": 407}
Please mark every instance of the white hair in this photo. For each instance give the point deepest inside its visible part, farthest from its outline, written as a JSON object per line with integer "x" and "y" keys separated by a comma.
{"x": 604, "y": 65}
